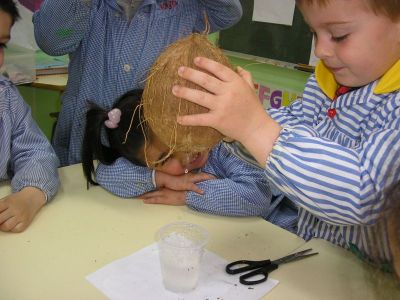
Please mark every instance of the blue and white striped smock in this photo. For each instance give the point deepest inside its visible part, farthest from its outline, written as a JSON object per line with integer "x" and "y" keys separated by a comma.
{"x": 109, "y": 54}
{"x": 27, "y": 157}
{"x": 240, "y": 189}
{"x": 337, "y": 169}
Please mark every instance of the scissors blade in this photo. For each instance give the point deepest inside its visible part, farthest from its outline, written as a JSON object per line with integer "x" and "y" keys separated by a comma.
{"x": 295, "y": 256}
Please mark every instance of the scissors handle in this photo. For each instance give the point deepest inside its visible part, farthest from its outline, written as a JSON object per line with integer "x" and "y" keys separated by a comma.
{"x": 259, "y": 275}
{"x": 241, "y": 266}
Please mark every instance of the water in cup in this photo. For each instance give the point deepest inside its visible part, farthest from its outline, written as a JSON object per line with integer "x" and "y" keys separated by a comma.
{"x": 181, "y": 247}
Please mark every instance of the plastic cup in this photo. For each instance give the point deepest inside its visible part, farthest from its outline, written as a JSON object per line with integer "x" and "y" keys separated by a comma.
{"x": 181, "y": 247}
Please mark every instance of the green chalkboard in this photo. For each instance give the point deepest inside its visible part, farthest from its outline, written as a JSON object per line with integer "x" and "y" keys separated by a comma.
{"x": 275, "y": 41}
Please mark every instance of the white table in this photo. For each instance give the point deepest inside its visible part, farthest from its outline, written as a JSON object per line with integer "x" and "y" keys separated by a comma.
{"x": 82, "y": 230}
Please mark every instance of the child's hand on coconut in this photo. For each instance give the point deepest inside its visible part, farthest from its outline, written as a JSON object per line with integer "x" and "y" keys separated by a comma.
{"x": 185, "y": 182}
{"x": 230, "y": 99}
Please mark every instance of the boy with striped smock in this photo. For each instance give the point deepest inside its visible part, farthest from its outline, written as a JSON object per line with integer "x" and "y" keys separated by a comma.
{"x": 335, "y": 151}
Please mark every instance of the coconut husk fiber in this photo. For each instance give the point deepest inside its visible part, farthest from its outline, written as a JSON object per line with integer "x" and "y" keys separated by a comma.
{"x": 161, "y": 107}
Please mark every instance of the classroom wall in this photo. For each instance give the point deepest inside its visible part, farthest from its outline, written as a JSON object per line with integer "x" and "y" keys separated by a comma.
{"x": 275, "y": 86}
{"x": 42, "y": 103}
{"x": 277, "y": 83}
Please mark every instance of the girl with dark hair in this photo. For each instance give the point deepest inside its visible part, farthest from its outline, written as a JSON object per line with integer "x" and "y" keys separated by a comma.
{"x": 129, "y": 139}
{"x": 116, "y": 128}
{"x": 216, "y": 182}
{"x": 9, "y": 7}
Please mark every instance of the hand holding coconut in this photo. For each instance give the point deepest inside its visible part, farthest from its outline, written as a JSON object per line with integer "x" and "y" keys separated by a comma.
{"x": 161, "y": 107}
{"x": 234, "y": 108}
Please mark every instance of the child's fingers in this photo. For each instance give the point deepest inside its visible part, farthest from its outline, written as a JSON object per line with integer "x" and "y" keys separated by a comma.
{"x": 9, "y": 224}
{"x": 199, "y": 177}
{"x": 196, "y": 96}
{"x": 246, "y": 76}
{"x": 219, "y": 70}
{"x": 187, "y": 185}
{"x": 195, "y": 120}
{"x": 162, "y": 200}
{"x": 208, "y": 82}
{"x": 151, "y": 198}
{"x": 150, "y": 201}
{"x": 20, "y": 227}
{"x": 194, "y": 188}
{"x": 5, "y": 215}
{"x": 150, "y": 195}
{"x": 3, "y": 205}
{"x": 155, "y": 200}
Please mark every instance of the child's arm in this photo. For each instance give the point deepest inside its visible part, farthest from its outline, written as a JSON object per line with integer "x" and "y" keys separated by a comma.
{"x": 30, "y": 160}
{"x": 341, "y": 185}
{"x": 240, "y": 189}
{"x": 60, "y": 25}
{"x": 165, "y": 196}
{"x": 33, "y": 162}
{"x": 184, "y": 182}
{"x": 291, "y": 115}
{"x": 221, "y": 14}
{"x": 125, "y": 179}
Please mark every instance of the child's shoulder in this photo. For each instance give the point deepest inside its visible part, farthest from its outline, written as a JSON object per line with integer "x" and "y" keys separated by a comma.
{"x": 9, "y": 95}
{"x": 5, "y": 83}
{"x": 4, "y": 86}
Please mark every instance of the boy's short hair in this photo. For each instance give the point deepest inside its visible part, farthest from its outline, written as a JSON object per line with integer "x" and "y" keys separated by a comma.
{"x": 390, "y": 8}
{"x": 10, "y": 8}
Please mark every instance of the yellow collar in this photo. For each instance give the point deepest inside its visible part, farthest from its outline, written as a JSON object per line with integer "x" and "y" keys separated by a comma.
{"x": 389, "y": 82}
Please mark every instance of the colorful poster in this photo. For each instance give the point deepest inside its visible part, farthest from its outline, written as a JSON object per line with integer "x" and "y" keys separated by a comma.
{"x": 275, "y": 97}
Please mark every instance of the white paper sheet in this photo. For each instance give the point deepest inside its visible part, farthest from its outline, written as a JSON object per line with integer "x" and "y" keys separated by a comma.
{"x": 272, "y": 11}
{"x": 138, "y": 276}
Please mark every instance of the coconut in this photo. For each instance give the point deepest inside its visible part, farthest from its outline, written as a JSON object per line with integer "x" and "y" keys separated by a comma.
{"x": 161, "y": 108}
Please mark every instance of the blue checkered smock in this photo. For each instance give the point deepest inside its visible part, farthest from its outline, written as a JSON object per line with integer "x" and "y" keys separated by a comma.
{"x": 26, "y": 155}
{"x": 240, "y": 190}
{"x": 109, "y": 54}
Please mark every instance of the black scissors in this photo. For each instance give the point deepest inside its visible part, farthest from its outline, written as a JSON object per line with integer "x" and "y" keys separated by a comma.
{"x": 260, "y": 269}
